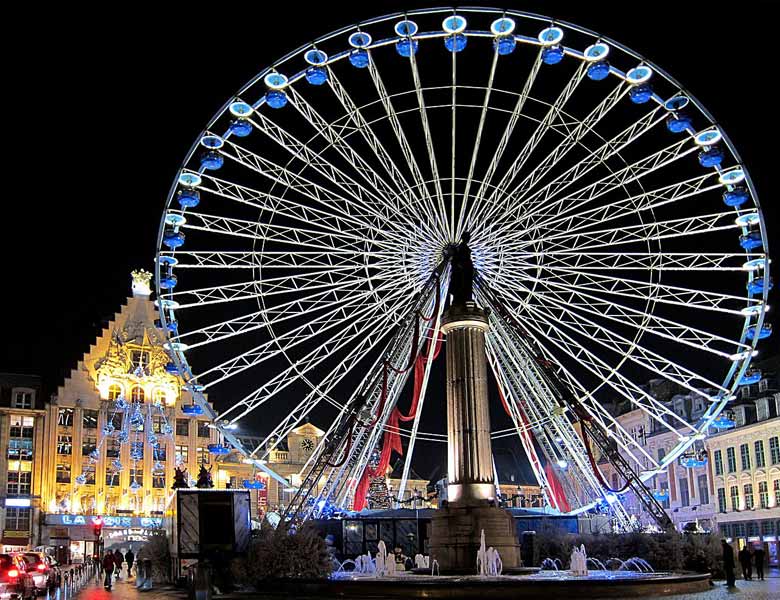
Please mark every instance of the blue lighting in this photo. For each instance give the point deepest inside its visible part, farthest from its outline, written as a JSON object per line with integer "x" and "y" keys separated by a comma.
{"x": 723, "y": 422}
{"x": 168, "y": 281}
{"x": 750, "y": 377}
{"x": 316, "y": 75}
{"x": 598, "y": 71}
{"x": 692, "y": 462}
{"x": 192, "y": 409}
{"x": 640, "y": 94}
{"x": 678, "y": 123}
{"x": 757, "y": 285}
{"x": 276, "y": 99}
{"x": 751, "y": 241}
{"x": 455, "y": 42}
{"x": 212, "y": 161}
{"x": 406, "y": 47}
{"x": 359, "y": 59}
{"x": 188, "y": 198}
{"x": 552, "y": 56}
{"x": 736, "y": 197}
{"x": 173, "y": 239}
{"x": 505, "y": 44}
{"x": 172, "y": 368}
{"x": 218, "y": 449}
{"x": 754, "y": 332}
{"x": 711, "y": 157}
{"x": 240, "y": 127}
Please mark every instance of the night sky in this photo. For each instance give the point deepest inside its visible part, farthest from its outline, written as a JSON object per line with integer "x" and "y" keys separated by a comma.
{"x": 106, "y": 106}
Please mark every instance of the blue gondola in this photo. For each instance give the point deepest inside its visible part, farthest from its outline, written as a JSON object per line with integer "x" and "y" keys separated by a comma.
{"x": 552, "y": 56}
{"x": 212, "y": 161}
{"x": 711, "y": 157}
{"x": 276, "y": 99}
{"x": 505, "y": 44}
{"x": 188, "y": 198}
{"x": 751, "y": 376}
{"x": 406, "y": 47}
{"x": 598, "y": 71}
{"x": 172, "y": 368}
{"x": 751, "y": 240}
{"x": 753, "y": 332}
{"x": 723, "y": 421}
{"x": 241, "y": 127}
{"x": 678, "y": 123}
{"x": 456, "y": 42}
{"x": 735, "y": 197}
{"x": 192, "y": 409}
{"x": 640, "y": 94}
{"x": 218, "y": 449}
{"x": 661, "y": 495}
{"x": 253, "y": 485}
{"x": 757, "y": 285}
{"x": 173, "y": 239}
{"x": 693, "y": 462}
{"x": 359, "y": 59}
{"x": 316, "y": 75}
{"x": 168, "y": 281}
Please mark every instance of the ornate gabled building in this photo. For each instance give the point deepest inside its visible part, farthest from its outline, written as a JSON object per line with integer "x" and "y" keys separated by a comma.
{"x": 87, "y": 470}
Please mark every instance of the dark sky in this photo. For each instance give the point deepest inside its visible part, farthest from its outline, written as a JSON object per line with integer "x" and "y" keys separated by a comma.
{"x": 106, "y": 106}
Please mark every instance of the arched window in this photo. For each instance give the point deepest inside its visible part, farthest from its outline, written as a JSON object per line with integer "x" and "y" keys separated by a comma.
{"x": 138, "y": 394}
{"x": 114, "y": 391}
{"x": 159, "y": 396}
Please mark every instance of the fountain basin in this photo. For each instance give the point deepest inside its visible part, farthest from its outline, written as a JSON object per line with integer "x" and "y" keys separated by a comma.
{"x": 555, "y": 584}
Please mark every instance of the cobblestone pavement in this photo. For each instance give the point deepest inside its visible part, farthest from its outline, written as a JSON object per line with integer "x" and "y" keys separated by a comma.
{"x": 124, "y": 590}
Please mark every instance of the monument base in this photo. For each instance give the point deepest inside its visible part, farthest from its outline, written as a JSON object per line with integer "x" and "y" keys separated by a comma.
{"x": 455, "y": 537}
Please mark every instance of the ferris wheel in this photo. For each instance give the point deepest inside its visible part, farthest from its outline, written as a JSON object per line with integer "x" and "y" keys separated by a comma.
{"x": 617, "y": 238}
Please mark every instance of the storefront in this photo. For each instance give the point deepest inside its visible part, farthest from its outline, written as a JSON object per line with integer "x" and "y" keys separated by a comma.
{"x": 755, "y": 533}
{"x": 73, "y": 539}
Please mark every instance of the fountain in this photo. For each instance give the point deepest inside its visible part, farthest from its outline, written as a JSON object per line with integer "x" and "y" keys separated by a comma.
{"x": 551, "y": 564}
{"x": 421, "y": 562}
{"x": 597, "y": 563}
{"x": 488, "y": 560}
{"x": 579, "y": 562}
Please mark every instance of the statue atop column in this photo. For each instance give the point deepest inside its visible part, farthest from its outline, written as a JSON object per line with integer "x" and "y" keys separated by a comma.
{"x": 462, "y": 278}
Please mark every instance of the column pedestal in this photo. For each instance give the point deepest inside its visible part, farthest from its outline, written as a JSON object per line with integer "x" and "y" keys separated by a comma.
{"x": 471, "y": 508}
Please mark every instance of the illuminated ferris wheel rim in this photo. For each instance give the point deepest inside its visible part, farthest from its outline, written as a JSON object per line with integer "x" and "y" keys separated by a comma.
{"x": 739, "y": 364}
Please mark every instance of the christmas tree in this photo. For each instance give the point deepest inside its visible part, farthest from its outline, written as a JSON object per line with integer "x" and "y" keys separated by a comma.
{"x": 378, "y": 495}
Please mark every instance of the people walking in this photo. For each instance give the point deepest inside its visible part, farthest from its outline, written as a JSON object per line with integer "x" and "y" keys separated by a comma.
{"x": 728, "y": 563}
{"x": 759, "y": 558}
{"x": 129, "y": 558}
{"x": 108, "y": 569}
{"x": 744, "y": 561}
{"x": 119, "y": 558}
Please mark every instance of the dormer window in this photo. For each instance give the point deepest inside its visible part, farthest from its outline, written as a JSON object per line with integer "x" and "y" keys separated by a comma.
{"x": 139, "y": 358}
{"x": 22, "y": 398}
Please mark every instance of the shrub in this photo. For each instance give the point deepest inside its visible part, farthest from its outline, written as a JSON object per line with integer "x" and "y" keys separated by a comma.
{"x": 281, "y": 554}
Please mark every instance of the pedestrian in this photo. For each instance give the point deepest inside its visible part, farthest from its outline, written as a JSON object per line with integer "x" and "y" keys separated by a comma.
{"x": 728, "y": 563}
{"x": 744, "y": 561}
{"x": 129, "y": 558}
{"x": 108, "y": 568}
{"x": 759, "y": 556}
{"x": 119, "y": 558}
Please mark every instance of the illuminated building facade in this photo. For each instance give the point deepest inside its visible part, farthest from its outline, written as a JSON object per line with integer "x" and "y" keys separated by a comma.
{"x": 126, "y": 362}
{"x": 21, "y": 441}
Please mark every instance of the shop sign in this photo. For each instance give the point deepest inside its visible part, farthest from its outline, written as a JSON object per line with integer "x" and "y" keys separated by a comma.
{"x": 108, "y": 521}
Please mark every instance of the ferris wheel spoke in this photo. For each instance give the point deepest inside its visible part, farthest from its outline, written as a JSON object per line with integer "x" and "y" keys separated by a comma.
{"x": 333, "y": 218}
{"x": 270, "y": 232}
{"x": 272, "y": 259}
{"x": 403, "y": 142}
{"x": 565, "y": 227}
{"x": 503, "y": 198}
{"x": 593, "y": 159}
{"x": 572, "y": 260}
{"x": 649, "y": 231}
{"x": 611, "y": 182}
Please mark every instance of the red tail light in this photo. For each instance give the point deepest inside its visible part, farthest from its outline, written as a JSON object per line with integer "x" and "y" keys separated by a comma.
{"x": 13, "y": 572}
{"x": 42, "y": 567}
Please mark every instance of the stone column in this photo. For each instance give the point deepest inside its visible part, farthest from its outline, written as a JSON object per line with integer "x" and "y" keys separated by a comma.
{"x": 470, "y": 462}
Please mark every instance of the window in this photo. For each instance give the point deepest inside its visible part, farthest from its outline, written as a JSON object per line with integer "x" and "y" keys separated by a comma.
{"x": 744, "y": 453}
{"x": 774, "y": 450}
{"x": 112, "y": 478}
{"x": 722, "y": 499}
{"x": 182, "y": 427}
{"x": 22, "y": 399}
{"x": 763, "y": 494}
{"x": 19, "y": 483}
{"x": 114, "y": 391}
{"x": 89, "y": 419}
{"x": 159, "y": 396}
{"x": 203, "y": 429}
{"x": 182, "y": 455}
{"x": 65, "y": 444}
{"x": 137, "y": 475}
{"x": 117, "y": 419}
{"x": 158, "y": 480}
{"x": 685, "y": 499}
{"x": 137, "y": 394}
{"x": 88, "y": 469}
{"x": 63, "y": 473}
{"x": 88, "y": 444}
{"x": 762, "y": 409}
{"x": 139, "y": 358}
{"x": 734, "y": 492}
{"x": 203, "y": 456}
{"x": 776, "y": 489}
{"x": 160, "y": 454}
{"x": 65, "y": 417}
{"x": 136, "y": 451}
{"x": 113, "y": 448}
{"x": 732, "y": 460}
{"x": 759, "y": 449}
{"x": 718, "y": 462}
{"x": 20, "y": 442}
{"x": 17, "y": 519}
{"x": 749, "y": 496}
{"x": 704, "y": 491}
{"x": 157, "y": 423}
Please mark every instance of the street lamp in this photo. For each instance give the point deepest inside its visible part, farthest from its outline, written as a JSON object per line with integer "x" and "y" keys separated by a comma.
{"x": 97, "y": 529}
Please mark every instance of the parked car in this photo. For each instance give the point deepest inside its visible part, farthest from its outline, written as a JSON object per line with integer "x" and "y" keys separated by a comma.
{"x": 43, "y": 576}
{"x": 15, "y": 581}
